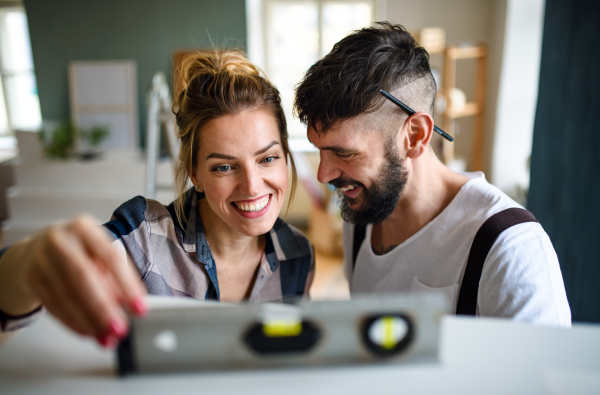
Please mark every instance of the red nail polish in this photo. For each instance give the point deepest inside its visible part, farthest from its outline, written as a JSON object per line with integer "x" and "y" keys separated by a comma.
{"x": 111, "y": 343}
{"x": 118, "y": 327}
{"x": 139, "y": 306}
{"x": 102, "y": 339}
{"x": 107, "y": 341}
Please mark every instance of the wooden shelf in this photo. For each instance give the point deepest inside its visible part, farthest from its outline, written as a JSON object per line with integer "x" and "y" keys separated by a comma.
{"x": 463, "y": 52}
{"x": 325, "y": 231}
{"x": 468, "y": 110}
{"x": 475, "y": 108}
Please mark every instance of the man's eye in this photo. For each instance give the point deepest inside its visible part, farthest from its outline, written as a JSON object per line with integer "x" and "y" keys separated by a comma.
{"x": 343, "y": 156}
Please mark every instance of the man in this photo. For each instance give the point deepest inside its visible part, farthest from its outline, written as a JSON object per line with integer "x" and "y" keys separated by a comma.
{"x": 421, "y": 217}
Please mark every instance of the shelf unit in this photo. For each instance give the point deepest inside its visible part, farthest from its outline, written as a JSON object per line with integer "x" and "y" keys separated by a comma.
{"x": 475, "y": 108}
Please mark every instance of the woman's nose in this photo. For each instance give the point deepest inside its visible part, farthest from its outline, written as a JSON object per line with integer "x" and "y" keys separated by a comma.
{"x": 252, "y": 182}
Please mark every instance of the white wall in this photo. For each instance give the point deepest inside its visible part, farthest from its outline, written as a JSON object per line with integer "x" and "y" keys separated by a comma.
{"x": 254, "y": 33}
{"x": 517, "y": 95}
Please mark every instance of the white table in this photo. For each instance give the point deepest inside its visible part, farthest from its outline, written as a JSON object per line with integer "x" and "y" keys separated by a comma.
{"x": 478, "y": 356}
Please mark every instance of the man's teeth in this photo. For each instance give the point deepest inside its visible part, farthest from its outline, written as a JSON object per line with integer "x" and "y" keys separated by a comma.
{"x": 254, "y": 206}
{"x": 348, "y": 188}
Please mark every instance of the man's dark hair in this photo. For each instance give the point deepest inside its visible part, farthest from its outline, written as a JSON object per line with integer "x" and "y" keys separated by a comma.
{"x": 346, "y": 82}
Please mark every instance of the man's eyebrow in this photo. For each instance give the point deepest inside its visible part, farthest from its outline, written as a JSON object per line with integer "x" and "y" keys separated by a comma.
{"x": 229, "y": 157}
{"x": 263, "y": 150}
{"x": 337, "y": 148}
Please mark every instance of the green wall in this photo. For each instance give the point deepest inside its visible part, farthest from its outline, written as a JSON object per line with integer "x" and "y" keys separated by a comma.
{"x": 565, "y": 163}
{"x": 143, "y": 30}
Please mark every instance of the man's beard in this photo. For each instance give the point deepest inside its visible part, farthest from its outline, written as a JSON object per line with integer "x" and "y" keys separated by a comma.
{"x": 380, "y": 200}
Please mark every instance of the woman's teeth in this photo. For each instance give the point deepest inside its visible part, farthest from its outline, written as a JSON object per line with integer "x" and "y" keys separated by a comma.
{"x": 254, "y": 206}
{"x": 348, "y": 188}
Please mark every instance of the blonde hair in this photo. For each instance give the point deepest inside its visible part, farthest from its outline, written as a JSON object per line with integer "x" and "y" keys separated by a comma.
{"x": 218, "y": 83}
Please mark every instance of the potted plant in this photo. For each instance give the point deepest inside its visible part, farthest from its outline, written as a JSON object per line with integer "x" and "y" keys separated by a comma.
{"x": 92, "y": 138}
{"x": 60, "y": 143}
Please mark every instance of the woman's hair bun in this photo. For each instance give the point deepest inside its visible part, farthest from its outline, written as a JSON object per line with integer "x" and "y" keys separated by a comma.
{"x": 208, "y": 65}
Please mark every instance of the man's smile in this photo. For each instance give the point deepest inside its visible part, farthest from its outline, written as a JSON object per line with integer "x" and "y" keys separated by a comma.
{"x": 351, "y": 191}
{"x": 347, "y": 188}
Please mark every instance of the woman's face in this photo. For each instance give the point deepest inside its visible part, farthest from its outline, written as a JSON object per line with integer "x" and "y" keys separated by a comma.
{"x": 242, "y": 169}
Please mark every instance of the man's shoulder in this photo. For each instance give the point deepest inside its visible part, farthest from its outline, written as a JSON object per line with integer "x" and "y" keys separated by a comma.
{"x": 475, "y": 203}
{"x": 479, "y": 194}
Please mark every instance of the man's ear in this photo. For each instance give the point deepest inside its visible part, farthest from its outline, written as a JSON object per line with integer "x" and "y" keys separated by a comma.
{"x": 419, "y": 133}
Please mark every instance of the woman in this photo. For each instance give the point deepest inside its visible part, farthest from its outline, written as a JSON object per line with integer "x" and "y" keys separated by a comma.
{"x": 219, "y": 240}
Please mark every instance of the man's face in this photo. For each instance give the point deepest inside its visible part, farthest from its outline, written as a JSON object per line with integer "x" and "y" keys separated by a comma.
{"x": 365, "y": 167}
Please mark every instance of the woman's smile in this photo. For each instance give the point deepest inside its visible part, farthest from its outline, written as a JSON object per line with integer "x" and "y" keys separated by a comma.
{"x": 253, "y": 208}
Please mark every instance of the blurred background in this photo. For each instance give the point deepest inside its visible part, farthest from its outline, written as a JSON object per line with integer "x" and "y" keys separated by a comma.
{"x": 85, "y": 119}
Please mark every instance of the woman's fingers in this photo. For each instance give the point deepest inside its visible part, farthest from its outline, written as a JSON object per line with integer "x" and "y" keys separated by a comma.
{"x": 126, "y": 279}
{"x": 83, "y": 281}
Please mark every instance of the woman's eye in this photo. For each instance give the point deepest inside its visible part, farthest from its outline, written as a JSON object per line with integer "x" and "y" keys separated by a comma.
{"x": 222, "y": 168}
{"x": 270, "y": 159}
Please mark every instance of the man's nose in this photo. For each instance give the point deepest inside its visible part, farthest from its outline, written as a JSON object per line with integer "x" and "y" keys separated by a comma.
{"x": 327, "y": 170}
{"x": 252, "y": 181}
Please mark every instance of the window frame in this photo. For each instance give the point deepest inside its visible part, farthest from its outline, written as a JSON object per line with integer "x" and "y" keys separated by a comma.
{"x": 320, "y": 4}
{"x": 9, "y": 102}
{"x": 258, "y": 30}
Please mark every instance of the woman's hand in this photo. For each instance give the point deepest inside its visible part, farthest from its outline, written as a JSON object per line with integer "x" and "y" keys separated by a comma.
{"x": 78, "y": 275}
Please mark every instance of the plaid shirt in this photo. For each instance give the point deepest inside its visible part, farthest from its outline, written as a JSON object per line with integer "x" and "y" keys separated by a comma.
{"x": 174, "y": 260}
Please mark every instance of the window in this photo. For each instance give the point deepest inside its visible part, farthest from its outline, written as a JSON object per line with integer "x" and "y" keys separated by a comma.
{"x": 19, "y": 103}
{"x": 294, "y": 34}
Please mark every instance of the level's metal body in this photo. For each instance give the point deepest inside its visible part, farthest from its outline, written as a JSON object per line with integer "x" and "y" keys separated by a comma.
{"x": 391, "y": 329}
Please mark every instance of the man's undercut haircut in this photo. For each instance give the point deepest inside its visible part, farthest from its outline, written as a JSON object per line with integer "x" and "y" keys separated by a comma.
{"x": 346, "y": 82}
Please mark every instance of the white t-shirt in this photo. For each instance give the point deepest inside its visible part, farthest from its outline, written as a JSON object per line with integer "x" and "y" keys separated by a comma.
{"x": 521, "y": 277}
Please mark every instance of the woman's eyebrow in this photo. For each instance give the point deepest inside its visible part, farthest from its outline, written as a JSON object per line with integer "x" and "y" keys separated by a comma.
{"x": 229, "y": 157}
{"x": 220, "y": 156}
{"x": 263, "y": 150}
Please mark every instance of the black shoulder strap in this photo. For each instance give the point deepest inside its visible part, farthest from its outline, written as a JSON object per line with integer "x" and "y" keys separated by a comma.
{"x": 482, "y": 243}
{"x": 359, "y": 236}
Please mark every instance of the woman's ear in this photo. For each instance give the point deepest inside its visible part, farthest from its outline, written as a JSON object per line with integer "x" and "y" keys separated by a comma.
{"x": 195, "y": 181}
{"x": 420, "y": 131}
